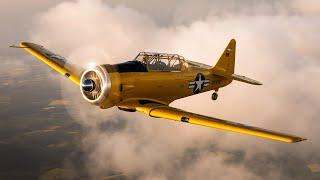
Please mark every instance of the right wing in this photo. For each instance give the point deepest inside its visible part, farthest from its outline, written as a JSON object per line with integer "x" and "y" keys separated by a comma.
{"x": 53, "y": 60}
{"x": 163, "y": 111}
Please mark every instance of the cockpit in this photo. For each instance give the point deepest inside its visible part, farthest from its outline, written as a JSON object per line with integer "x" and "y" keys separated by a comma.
{"x": 162, "y": 61}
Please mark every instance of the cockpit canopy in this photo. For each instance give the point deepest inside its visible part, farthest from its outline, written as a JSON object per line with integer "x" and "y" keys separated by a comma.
{"x": 162, "y": 61}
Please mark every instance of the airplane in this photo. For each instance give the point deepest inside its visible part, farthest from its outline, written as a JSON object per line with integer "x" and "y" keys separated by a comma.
{"x": 151, "y": 81}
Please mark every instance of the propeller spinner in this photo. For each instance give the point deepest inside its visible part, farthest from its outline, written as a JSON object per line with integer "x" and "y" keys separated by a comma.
{"x": 95, "y": 84}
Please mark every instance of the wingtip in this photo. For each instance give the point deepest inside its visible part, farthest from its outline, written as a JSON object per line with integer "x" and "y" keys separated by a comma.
{"x": 303, "y": 139}
{"x": 299, "y": 140}
{"x": 21, "y": 45}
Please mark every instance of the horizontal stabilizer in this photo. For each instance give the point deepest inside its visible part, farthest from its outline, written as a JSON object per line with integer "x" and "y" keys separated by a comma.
{"x": 245, "y": 79}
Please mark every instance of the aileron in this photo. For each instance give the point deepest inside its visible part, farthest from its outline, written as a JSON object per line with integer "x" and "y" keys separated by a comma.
{"x": 53, "y": 60}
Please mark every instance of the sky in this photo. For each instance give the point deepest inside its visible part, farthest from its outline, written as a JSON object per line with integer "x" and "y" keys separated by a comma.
{"x": 277, "y": 44}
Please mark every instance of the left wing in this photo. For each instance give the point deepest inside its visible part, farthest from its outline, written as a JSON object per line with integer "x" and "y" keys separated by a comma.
{"x": 163, "y": 111}
{"x": 53, "y": 60}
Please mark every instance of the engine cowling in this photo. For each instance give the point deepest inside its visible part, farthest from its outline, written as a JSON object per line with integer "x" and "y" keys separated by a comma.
{"x": 95, "y": 85}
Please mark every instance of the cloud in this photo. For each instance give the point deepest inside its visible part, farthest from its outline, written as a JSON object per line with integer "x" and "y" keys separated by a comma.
{"x": 15, "y": 17}
{"x": 17, "y": 68}
{"x": 310, "y": 7}
{"x": 277, "y": 47}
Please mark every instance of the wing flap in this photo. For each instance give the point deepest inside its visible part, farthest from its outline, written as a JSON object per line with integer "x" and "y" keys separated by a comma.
{"x": 164, "y": 111}
{"x": 53, "y": 60}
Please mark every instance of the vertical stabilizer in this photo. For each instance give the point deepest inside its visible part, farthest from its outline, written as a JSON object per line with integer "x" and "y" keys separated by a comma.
{"x": 227, "y": 59}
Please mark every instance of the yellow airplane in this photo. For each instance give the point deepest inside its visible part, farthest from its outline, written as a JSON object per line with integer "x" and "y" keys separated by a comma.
{"x": 151, "y": 81}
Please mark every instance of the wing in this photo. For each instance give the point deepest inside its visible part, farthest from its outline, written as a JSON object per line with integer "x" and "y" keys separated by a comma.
{"x": 164, "y": 111}
{"x": 53, "y": 60}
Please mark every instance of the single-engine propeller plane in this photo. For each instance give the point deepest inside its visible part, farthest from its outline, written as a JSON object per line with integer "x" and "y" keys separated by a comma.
{"x": 151, "y": 81}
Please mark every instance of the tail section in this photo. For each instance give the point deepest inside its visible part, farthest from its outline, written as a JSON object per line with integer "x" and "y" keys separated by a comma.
{"x": 226, "y": 63}
{"x": 227, "y": 59}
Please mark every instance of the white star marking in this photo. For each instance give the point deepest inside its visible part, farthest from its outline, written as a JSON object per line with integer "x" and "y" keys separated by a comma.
{"x": 199, "y": 84}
